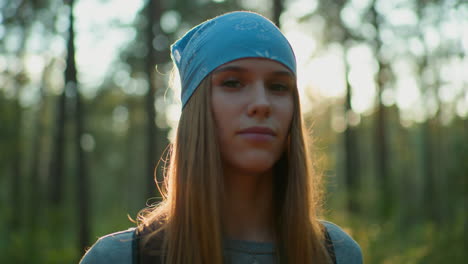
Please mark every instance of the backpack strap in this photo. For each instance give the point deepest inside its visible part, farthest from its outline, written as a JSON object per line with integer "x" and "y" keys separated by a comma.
{"x": 136, "y": 247}
{"x": 144, "y": 256}
{"x": 329, "y": 245}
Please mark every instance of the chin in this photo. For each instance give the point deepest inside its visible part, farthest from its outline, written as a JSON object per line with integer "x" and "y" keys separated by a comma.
{"x": 255, "y": 164}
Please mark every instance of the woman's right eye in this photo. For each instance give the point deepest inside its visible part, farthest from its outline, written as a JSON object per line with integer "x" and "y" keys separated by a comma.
{"x": 232, "y": 83}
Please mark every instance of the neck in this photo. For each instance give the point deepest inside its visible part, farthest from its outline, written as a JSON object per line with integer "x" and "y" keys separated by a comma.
{"x": 248, "y": 206}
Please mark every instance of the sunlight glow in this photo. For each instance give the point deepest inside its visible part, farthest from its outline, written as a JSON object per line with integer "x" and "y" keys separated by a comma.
{"x": 35, "y": 65}
{"x": 388, "y": 97}
{"x": 361, "y": 77}
{"x": 303, "y": 46}
{"x": 462, "y": 108}
{"x": 94, "y": 52}
{"x": 326, "y": 73}
{"x": 350, "y": 16}
{"x": 299, "y": 8}
{"x": 402, "y": 17}
{"x": 407, "y": 92}
{"x": 173, "y": 113}
{"x": 464, "y": 36}
{"x": 258, "y": 5}
{"x": 431, "y": 38}
{"x": 338, "y": 121}
{"x": 170, "y": 21}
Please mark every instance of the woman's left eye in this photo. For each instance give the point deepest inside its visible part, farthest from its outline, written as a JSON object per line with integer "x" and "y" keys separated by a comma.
{"x": 279, "y": 87}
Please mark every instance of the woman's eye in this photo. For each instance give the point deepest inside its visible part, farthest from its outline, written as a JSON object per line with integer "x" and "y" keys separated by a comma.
{"x": 232, "y": 83}
{"x": 279, "y": 87}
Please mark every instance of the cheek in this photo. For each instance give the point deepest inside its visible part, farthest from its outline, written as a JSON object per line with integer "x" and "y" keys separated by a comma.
{"x": 285, "y": 118}
{"x": 285, "y": 115}
{"x": 224, "y": 118}
{"x": 221, "y": 106}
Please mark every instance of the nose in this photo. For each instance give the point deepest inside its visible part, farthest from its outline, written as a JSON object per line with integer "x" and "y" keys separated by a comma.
{"x": 260, "y": 105}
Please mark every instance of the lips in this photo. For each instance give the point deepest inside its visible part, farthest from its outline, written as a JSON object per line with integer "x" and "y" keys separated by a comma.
{"x": 258, "y": 130}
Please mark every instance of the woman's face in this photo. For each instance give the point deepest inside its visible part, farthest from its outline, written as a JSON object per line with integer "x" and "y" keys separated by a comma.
{"x": 252, "y": 103}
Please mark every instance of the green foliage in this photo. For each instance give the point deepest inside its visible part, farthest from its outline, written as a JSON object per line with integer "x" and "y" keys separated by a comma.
{"x": 396, "y": 241}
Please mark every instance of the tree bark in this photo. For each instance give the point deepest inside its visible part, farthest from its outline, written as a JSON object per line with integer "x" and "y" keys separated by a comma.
{"x": 351, "y": 153}
{"x": 57, "y": 161}
{"x": 16, "y": 174}
{"x": 381, "y": 149}
{"x": 278, "y": 9}
{"x": 35, "y": 210}
{"x": 81, "y": 166}
{"x": 153, "y": 13}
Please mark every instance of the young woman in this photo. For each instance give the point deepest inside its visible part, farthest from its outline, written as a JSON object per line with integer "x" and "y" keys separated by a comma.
{"x": 239, "y": 186}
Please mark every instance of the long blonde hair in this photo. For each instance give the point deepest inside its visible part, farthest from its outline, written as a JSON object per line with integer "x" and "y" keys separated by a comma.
{"x": 188, "y": 220}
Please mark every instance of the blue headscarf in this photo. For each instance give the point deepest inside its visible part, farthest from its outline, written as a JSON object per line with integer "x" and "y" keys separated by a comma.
{"x": 226, "y": 38}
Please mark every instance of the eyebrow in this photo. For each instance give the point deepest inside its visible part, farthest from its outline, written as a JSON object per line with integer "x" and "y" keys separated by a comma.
{"x": 230, "y": 68}
{"x": 285, "y": 73}
{"x": 240, "y": 69}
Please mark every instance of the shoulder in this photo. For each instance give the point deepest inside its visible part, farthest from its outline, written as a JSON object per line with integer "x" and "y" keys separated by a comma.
{"x": 347, "y": 250}
{"x": 115, "y": 248}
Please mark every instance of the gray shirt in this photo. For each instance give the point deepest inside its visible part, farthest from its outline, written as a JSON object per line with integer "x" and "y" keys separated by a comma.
{"x": 116, "y": 248}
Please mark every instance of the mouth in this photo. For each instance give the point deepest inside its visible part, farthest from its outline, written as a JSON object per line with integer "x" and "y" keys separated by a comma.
{"x": 258, "y": 130}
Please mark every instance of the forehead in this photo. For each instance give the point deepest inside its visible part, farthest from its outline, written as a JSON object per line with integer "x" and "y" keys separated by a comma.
{"x": 254, "y": 65}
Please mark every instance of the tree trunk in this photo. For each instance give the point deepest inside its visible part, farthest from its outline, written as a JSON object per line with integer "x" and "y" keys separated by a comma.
{"x": 153, "y": 12}
{"x": 34, "y": 213}
{"x": 381, "y": 150}
{"x": 57, "y": 161}
{"x": 278, "y": 8}
{"x": 17, "y": 161}
{"x": 16, "y": 175}
{"x": 383, "y": 175}
{"x": 428, "y": 173}
{"x": 351, "y": 152}
{"x": 81, "y": 167}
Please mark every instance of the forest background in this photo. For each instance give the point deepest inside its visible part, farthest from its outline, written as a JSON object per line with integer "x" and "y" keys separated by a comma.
{"x": 86, "y": 113}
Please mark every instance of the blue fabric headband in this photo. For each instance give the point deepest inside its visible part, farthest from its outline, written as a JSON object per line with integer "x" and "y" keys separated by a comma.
{"x": 226, "y": 38}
